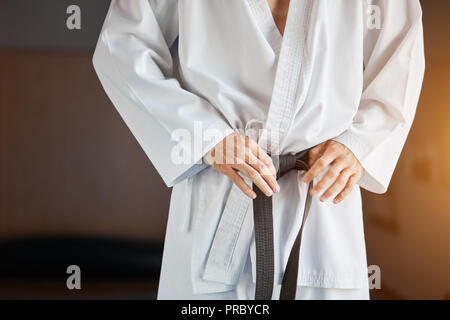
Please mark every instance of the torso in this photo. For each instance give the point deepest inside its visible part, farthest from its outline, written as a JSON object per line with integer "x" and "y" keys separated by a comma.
{"x": 279, "y": 10}
{"x": 233, "y": 67}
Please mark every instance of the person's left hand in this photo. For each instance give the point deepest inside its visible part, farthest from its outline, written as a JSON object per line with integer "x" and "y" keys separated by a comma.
{"x": 344, "y": 171}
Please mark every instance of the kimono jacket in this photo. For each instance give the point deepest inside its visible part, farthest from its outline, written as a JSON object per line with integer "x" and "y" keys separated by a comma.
{"x": 183, "y": 74}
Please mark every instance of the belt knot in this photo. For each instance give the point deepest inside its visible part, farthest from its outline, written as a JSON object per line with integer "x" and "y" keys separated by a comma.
{"x": 288, "y": 162}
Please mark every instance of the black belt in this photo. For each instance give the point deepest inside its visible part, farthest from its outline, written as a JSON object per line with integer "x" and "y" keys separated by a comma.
{"x": 263, "y": 221}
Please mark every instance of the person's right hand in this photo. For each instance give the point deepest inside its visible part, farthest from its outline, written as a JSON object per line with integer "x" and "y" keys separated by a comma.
{"x": 238, "y": 152}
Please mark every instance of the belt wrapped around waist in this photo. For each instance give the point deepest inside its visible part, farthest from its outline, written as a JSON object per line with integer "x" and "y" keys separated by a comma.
{"x": 263, "y": 222}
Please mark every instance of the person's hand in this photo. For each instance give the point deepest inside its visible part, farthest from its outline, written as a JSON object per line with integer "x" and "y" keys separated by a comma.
{"x": 237, "y": 152}
{"x": 343, "y": 173}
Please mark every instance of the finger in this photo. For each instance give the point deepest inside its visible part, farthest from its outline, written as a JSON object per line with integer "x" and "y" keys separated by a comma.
{"x": 241, "y": 184}
{"x": 315, "y": 153}
{"x": 263, "y": 156}
{"x": 255, "y": 177}
{"x": 348, "y": 187}
{"x": 262, "y": 164}
{"x": 220, "y": 154}
{"x": 210, "y": 157}
{"x": 338, "y": 185}
{"x": 331, "y": 175}
{"x": 328, "y": 156}
{"x": 231, "y": 151}
{"x": 239, "y": 150}
{"x": 264, "y": 171}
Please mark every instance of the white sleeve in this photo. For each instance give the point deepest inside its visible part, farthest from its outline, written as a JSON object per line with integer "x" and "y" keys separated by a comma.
{"x": 134, "y": 64}
{"x": 394, "y": 68}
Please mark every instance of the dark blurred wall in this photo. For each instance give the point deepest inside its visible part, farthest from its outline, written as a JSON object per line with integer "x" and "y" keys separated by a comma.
{"x": 41, "y": 24}
{"x": 68, "y": 163}
{"x": 408, "y": 229}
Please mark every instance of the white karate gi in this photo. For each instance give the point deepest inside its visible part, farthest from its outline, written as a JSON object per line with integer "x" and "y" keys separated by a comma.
{"x": 331, "y": 76}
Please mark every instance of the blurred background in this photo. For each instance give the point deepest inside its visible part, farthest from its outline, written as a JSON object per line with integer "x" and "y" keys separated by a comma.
{"x": 76, "y": 188}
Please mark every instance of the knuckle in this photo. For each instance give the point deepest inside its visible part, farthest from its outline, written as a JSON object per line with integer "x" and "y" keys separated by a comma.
{"x": 348, "y": 173}
{"x": 267, "y": 160}
{"x": 253, "y": 175}
{"x": 320, "y": 185}
{"x": 237, "y": 161}
{"x": 342, "y": 179}
{"x": 222, "y": 168}
{"x": 261, "y": 170}
{"x": 333, "y": 171}
{"x": 271, "y": 182}
{"x": 259, "y": 165}
{"x": 320, "y": 162}
{"x": 351, "y": 157}
{"x": 265, "y": 171}
{"x": 353, "y": 179}
{"x": 333, "y": 148}
{"x": 251, "y": 159}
